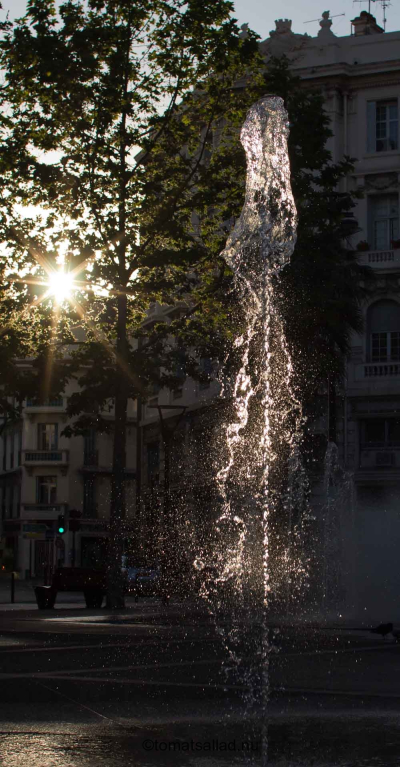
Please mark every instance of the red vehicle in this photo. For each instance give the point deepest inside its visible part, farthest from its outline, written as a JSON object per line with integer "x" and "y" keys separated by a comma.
{"x": 91, "y": 582}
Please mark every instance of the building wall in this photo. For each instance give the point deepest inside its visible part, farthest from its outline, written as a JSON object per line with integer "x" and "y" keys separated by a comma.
{"x": 81, "y": 474}
{"x": 351, "y": 72}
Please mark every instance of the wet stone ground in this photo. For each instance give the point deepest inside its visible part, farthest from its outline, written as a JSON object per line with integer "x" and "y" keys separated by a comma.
{"x": 81, "y": 690}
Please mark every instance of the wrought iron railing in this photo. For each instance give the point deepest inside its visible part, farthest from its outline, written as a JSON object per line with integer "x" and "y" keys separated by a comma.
{"x": 56, "y": 402}
{"x": 45, "y": 456}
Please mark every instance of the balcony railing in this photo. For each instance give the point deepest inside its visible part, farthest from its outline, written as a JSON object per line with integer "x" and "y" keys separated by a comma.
{"x": 44, "y": 404}
{"x": 37, "y": 457}
{"x": 387, "y": 457}
{"x": 380, "y": 258}
{"x": 42, "y": 510}
{"x": 378, "y": 369}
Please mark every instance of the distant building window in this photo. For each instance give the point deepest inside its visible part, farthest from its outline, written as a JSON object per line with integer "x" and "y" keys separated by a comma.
{"x": 380, "y": 432}
{"x": 90, "y": 454}
{"x": 11, "y": 451}
{"x": 382, "y": 125}
{"x": 11, "y": 501}
{"x": 153, "y": 462}
{"x": 383, "y": 320}
{"x": 384, "y": 220}
{"x": 46, "y": 490}
{"x": 89, "y": 497}
{"x": 179, "y": 373}
{"x": 47, "y": 436}
{"x": 206, "y": 367}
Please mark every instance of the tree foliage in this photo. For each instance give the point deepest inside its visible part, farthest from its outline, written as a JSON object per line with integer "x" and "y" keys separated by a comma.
{"x": 107, "y": 114}
{"x": 97, "y": 104}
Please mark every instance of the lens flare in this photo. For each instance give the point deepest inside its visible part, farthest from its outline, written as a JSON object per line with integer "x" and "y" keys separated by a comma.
{"x": 60, "y": 286}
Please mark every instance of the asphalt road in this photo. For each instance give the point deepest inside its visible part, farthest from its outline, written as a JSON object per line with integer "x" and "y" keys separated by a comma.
{"x": 149, "y": 687}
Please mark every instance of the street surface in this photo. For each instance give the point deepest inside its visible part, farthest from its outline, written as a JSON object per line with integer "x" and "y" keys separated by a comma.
{"x": 144, "y": 687}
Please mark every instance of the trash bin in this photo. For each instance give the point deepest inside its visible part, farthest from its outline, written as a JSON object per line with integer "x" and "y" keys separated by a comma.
{"x": 45, "y": 597}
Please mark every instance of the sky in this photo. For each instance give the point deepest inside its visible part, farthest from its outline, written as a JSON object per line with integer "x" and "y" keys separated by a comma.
{"x": 261, "y": 14}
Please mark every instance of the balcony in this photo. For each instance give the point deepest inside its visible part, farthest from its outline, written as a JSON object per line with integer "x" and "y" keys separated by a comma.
{"x": 42, "y": 510}
{"x": 374, "y": 458}
{"x": 378, "y": 369}
{"x": 45, "y": 457}
{"x": 37, "y": 406}
{"x": 374, "y": 377}
{"x": 380, "y": 259}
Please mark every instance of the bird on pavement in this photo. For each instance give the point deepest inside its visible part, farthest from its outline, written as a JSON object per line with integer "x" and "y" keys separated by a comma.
{"x": 383, "y": 629}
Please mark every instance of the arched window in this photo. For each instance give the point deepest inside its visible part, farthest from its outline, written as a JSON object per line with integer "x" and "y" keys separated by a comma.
{"x": 383, "y": 326}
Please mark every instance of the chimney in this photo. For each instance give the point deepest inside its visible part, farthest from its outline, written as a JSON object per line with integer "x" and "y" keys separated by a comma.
{"x": 365, "y": 24}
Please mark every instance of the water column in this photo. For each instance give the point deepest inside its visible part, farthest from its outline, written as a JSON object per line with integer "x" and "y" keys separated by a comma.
{"x": 259, "y": 246}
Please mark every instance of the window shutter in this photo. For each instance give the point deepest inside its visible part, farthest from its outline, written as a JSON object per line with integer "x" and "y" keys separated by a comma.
{"x": 371, "y": 126}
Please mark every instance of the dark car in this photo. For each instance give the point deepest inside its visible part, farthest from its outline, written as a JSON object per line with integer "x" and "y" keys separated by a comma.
{"x": 144, "y": 580}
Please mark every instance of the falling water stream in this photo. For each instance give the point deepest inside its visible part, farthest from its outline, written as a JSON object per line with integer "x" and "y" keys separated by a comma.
{"x": 261, "y": 463}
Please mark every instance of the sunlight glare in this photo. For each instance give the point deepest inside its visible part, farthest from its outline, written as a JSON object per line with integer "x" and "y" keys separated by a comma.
{"x": 60, "y": 284}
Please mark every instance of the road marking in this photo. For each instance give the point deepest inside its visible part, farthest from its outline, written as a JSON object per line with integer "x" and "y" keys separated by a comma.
{"x": 347, "y": 693}
{"x": 137, "y": 667}
{"x": 145, "y": 682}
{"x": 138, "y": 643}
{"x": 342, "y": 650}
{"x": 82, "y": 705}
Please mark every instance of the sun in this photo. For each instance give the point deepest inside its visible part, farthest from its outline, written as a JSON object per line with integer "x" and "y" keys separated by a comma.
{"x": 60, "y": 286}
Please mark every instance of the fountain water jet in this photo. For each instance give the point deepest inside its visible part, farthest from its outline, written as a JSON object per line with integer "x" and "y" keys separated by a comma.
{"x": 260, "y": 443}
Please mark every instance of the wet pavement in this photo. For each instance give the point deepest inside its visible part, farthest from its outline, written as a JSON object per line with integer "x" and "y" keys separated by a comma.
{"x": 147, "y": 687}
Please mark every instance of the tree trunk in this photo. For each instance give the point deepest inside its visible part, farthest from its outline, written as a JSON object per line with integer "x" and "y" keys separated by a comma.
{"x": 115, "y": 584}
{"x": 115, "y": 580}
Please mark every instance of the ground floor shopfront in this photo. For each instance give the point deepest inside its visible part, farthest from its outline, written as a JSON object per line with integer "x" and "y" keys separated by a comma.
{"x": 36, "y": 554}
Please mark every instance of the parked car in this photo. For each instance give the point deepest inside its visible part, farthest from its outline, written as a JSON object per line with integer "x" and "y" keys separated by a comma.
{"x": 143, "y": 580}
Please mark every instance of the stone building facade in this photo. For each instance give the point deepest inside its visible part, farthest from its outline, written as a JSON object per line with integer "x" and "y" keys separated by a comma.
{"x": 359, "y": 75}
{"x": 43, "y": 476}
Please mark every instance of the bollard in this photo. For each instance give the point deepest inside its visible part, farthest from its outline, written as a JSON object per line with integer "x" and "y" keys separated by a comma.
{"x": 12, "y": 587}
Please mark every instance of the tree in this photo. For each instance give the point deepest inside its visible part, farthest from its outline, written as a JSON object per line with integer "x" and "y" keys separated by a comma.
{"x": 85, "y": 89}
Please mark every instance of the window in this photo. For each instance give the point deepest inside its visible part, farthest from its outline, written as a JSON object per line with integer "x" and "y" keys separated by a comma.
{"x": 382, "y": 126}
{"x": 46, "y": 490}
{"x": 153, "y": 462}
{"x": 11, "y": 451}
{"x": 11, "y": 502}
{"x": 380, "y": 432}
{"x": 90, "y": 454}
{"x": 179, "y": 373}
{"x": 384, "y": 220}
{"x": 383, "y": 322}
{"x": 89, "y": 497}
{"x": 206, "y": 367}
{"x": 47, "y": 436}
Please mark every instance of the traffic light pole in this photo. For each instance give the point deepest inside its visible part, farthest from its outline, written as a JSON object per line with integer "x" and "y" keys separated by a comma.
{"x": 74, "y": 525}
{"x": 73, "y": 552}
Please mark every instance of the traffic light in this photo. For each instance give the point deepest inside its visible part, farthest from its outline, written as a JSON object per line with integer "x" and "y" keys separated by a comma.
{"x": 74, "y": 520}
{"x": 61, "y": 524}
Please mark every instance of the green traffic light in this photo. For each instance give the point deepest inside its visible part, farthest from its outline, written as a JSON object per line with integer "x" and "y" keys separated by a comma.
{"x": 61, "y": 530}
